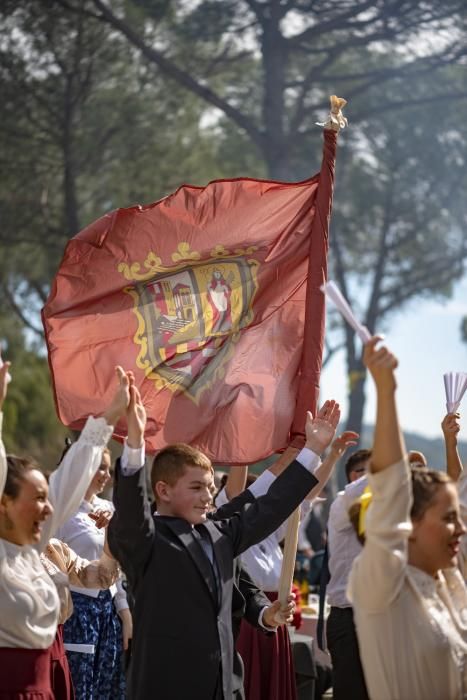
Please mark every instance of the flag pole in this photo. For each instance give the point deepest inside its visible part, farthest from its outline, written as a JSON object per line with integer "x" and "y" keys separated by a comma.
{"x": 315, "y": 314}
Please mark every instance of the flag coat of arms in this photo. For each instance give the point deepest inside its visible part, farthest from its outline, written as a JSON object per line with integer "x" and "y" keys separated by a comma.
{"x": 203, "y": 295}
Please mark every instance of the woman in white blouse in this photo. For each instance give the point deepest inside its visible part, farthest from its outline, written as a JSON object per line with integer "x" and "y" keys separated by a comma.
{"x": 98, "y": 629}
{"x": 409, "y": 599}
{"x": 65, "y": 567}
{"x": 30, "y": 513}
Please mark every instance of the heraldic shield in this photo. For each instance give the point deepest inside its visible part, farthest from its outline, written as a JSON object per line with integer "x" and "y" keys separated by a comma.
{"x": 189, "y": 319}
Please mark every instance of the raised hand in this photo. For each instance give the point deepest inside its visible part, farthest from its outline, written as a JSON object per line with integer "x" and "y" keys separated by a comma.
{"x": 101, "y": 517}
{"x": 342, "y": 443}
{"x": 388, "y": 441}
{"x": 320, "y": 431}
{"x": 136, "y": 417}
{"x": 4, "y": 379}
{"x": 121, "y": 398}
{"x": 451, "y": 426}
{"x": 381, "y": 364}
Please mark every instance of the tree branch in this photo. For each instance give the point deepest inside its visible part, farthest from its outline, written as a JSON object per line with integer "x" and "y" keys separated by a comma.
{"x": 181, "y": 76}
{"x": 412, "y": 284}
{"x": 17, "y": 310}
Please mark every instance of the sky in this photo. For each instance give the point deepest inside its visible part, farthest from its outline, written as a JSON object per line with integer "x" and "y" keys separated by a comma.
{"x": 425, "y": 336}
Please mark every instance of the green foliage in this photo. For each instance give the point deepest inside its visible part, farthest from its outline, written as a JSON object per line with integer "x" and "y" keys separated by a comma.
{"x": 30, "y": 425}
{"x": 99, "y": 114}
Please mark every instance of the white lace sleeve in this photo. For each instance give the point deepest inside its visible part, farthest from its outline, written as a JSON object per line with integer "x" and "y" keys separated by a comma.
{"x": 69, "y": 482}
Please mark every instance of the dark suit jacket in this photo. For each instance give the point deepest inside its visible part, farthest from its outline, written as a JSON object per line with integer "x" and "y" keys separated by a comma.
{"x": 182, "y": 638}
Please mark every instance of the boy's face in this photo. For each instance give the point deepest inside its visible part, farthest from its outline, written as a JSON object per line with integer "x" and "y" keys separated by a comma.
{"x": 191, "y": 497}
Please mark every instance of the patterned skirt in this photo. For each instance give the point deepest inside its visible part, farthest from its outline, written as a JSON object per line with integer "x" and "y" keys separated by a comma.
{"x": 97, "y": 668}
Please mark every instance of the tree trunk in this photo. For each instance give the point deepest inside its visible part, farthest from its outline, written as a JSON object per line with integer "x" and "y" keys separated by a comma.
{"x": 356, "y": 396}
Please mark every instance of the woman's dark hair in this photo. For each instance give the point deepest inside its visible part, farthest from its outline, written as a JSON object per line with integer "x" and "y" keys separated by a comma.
{"x": 18, "y": 467}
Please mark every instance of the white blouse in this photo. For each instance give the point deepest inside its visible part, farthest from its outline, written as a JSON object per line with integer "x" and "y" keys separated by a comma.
{"x": 83, "y": 536}
{"x": 29, "y": 603}
{"x": 81, "y": 533}
{"x": 412, "y": 628}
{"x": 343, "y": 545}
{"x": 263, "y": 561}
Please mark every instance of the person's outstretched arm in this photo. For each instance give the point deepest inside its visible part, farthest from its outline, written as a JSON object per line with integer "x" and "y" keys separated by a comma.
{"x": 339, "y": 447}
{"x": 264, "y": 515}
{"x": 69, "y": 482}
{"x": 451, "y": 427}
{"x": 378, "y": 572}
{"x": 388, "y": 443}
{"x": 3, "y": 393}
{"x": 236, "y": 481}
{"x": 327, "y": 415}
{"x": 131, "y": 530}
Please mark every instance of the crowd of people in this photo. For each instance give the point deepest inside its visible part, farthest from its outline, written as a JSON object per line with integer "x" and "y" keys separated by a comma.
{"x": 170, "y": 591}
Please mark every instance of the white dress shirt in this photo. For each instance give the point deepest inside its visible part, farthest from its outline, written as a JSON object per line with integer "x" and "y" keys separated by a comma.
{"x": 343, "y": 545}
{"x": 29, "y": 602}
{"x": 411, "y": 627}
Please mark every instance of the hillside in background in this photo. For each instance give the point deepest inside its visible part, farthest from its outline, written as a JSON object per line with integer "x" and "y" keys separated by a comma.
{"x": 432, "y": 448}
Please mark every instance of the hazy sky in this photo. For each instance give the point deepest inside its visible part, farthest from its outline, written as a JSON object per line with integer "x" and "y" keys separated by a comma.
{"x": 426, "y": 338}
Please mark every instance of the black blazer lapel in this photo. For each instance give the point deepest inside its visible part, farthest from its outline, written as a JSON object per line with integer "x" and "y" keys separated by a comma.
{"x": 183, "y": 530}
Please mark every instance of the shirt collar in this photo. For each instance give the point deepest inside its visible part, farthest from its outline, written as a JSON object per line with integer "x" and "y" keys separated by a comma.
{"x": 427, "y": 584}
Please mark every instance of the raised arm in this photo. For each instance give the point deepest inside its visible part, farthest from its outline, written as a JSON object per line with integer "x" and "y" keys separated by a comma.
{"x": 323, "y": 426}
{"x": 388, "y": 445}
{"x": 3, "y": 391}
{"x": 339, "y": 447}
{"x": 330, "y": 407}
{"x": 383, "y": 559}
{"x": 131, "y": 530}
{"x": 260, "y": 518}
{"x": 236, "y": 481}
{"x": 68, "y": 483}
{"x": 451, "y": 427}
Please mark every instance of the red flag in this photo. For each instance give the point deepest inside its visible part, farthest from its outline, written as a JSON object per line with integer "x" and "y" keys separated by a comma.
{"x": 202, "y": 295}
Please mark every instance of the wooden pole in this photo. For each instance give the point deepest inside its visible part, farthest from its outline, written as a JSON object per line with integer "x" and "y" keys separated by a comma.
{"x": 314, "y": 318}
